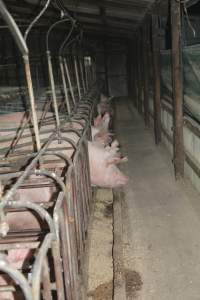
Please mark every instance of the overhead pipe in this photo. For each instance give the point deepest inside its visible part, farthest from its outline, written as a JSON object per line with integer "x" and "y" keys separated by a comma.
{"x": 64, "y": 66}
{"x": 51, "y": 76}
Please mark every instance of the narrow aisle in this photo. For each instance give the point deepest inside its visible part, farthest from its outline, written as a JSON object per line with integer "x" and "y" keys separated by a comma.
{"x": 161, "y": 217}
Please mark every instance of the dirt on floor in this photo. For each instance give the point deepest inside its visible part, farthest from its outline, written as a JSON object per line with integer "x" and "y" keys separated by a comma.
{"x": 100, "y": 262}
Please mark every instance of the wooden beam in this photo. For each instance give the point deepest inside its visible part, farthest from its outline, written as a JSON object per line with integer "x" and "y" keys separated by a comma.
{"x": 146, "y": 50}
{"x": 156, "y": 79}
{"x": 140, "y": 75}
{"x": 177, "y": 88}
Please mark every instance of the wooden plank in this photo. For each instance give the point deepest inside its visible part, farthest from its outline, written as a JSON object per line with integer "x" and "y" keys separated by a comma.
{"x": 156, "y": 68}
{"x": 146, "y": 77}
{"x": 177, "y": 88}
{"x": 139, "y": 75}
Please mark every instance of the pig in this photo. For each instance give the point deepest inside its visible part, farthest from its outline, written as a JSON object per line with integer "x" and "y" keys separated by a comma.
{"x": 104, "y": 106}
{"x": 102, "y": 122}
{"x": 103, "y": 169}
{"x": 102, "y": 136}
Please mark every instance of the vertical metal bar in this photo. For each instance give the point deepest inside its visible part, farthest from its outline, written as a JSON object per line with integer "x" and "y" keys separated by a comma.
{"x": 177, "y": 88}
{"x": 52, "y": 83}
{"x": 32, "y": 100}
{"x": 156, "y": 67}
{"x": 82, "y": 76}
{"x": 64, "y": 86}
{"x": 146, "y": 81}
{"x": 77, "y": 77}
{"x": 69, "y": 81}
{"x": 86, "y": 74}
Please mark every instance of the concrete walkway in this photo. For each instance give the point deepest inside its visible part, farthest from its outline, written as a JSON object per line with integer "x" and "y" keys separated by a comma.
{"x": 161, "y": 217}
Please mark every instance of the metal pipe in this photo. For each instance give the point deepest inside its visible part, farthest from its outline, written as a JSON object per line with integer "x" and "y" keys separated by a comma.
{"x": 16, "y": 276}
{"x": 64, "y": 86}
{"x": 86, "y": 75}
{"x": 24, "y": 50}
{"x": 13, "y": 28}
{"x": 53, "y": 90}
{"x": 82, "y": 75}
{"x": 36, "y": 19}
{"x": 32, "y": 100}
{"x": 77, "y": 77}
{"x": 69, "y": 80}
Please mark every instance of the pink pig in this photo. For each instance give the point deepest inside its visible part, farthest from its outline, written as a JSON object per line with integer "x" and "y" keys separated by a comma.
{"x": 103, "y": 169}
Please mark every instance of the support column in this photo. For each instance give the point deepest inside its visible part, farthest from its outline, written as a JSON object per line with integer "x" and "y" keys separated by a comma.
{"x": 139, "y": 81}
{"x": 177, "y": 88}
{"x": 156, "y": 69}
{"x": 146, "y": 77}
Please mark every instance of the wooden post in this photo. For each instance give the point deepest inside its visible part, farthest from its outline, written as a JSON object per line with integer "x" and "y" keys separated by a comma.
{"x": 139, "y": 82}
{"x": 156, "y": 67}
{"x": 134, "y": 91}
{"x": 146, "y": 77}
{"x": 136, "y": 73}
{"x": 177, "y": 88}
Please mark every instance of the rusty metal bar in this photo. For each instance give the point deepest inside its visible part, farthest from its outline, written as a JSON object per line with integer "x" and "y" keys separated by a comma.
{"x": 32, "y": 100}
{"x": 82, "y": 75}
{"x": 69, "y": 80}
{"x": 177, "y": 88}
{"x": 156, "y": 67}
{"x": 64, "y": 86}
{"x": 16, "y": 276}
{"x": 53, "y": 90}
{"x": 77, "y": 77}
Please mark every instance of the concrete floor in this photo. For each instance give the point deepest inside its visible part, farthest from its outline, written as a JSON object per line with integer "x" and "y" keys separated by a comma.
{"x": 161, "y": 217}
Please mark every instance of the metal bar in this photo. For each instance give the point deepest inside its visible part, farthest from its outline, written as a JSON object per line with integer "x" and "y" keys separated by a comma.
{"x": 14, "y": 29}
{"x": 177, "y": 88}
{"x": 69, "y": 80}
{"x": 77, "y": 77}
{"x": 17, "y": 277}
{"x": 156, "y": 67}
{"x": 86, "y": 75}
{"x": 65, "y": 86}
{"x": 82, "y": 75}
{"x": 32, "y": 100}
{"x": 52, "y": 83}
